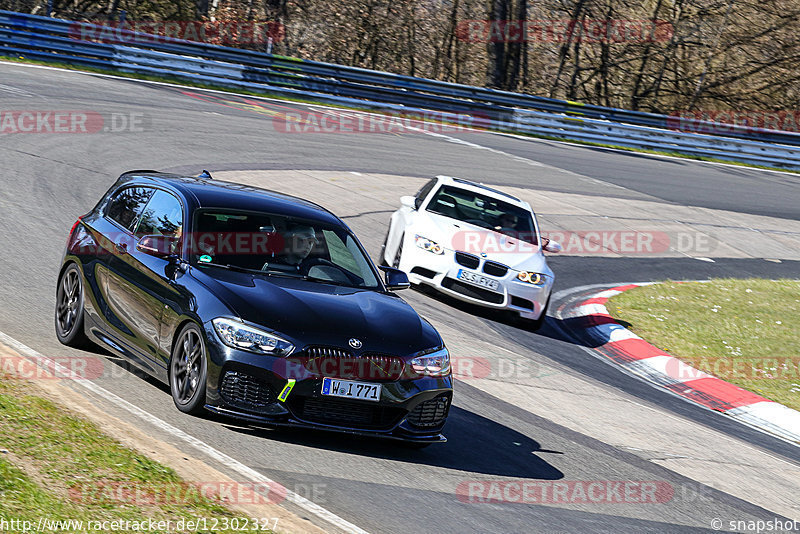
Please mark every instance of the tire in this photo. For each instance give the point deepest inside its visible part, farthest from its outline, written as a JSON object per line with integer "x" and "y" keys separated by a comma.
{"x": 188, "y": 369}
{"x": 69, "y": 312}
{"x": 399, "y": 253}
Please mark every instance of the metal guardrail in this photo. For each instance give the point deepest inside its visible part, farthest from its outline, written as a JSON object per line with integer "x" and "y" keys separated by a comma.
{"x": 59, "y": 40}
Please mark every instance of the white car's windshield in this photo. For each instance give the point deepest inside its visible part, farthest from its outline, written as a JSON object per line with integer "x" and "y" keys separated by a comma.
{"x": 484, "y": 211}
{"x": 275, "y": 244}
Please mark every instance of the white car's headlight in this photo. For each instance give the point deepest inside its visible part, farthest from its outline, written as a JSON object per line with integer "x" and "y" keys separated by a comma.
{"x": 244, "y": 337}
{"x": 536, "y": 279}
{"x": 434, "y": 364}
{"x": 426, "y": 244}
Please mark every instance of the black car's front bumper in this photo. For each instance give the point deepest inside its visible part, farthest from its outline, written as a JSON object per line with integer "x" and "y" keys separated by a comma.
{"x": 246, "y": 386}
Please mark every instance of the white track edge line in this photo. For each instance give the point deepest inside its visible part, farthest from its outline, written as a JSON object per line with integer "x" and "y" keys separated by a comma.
{"x": 203, "y": 447}
{"x": 273, "y": 99}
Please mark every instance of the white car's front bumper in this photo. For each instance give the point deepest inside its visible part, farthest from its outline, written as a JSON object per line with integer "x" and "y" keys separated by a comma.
{"x": 441, "y": 272}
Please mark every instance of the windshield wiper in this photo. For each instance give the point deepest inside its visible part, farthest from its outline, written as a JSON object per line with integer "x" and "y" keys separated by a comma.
{"x": 330, "y": 282}
{"x": 240, "y": 269}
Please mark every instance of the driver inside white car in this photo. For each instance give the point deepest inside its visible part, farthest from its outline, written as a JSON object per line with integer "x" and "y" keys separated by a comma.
{"x": 508, "y": 223}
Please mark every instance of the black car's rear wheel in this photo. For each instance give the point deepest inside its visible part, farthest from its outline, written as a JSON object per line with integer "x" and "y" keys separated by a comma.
{"x": 187, "y": 371}
{"x": 69, "y": 308}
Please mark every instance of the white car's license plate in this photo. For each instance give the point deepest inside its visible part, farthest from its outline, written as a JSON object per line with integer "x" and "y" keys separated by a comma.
{"x": 351, "y": 390}
{"x": 477, "y": 279}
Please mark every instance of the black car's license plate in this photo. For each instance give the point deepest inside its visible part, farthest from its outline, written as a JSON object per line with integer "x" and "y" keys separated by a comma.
{"x": 351, "y": 390}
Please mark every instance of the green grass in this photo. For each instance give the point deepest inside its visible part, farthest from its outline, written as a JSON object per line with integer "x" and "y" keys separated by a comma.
{"x": 61, "y": 467}
{"x": 746, "y": 332}
{"x": 289, "y": 98}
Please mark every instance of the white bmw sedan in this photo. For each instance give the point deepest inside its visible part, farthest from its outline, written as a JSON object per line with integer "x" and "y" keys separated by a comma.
{"x": 474, "y": 243}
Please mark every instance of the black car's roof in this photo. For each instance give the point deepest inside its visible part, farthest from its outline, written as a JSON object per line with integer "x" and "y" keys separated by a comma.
{"x": 217, "y": 194}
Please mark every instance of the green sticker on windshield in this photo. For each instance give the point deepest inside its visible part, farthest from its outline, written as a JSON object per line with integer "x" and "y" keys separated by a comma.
{"x": 205, "y": 258}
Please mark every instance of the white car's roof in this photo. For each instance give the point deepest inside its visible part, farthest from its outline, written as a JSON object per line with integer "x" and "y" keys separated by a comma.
{"x": 484, "y": 190}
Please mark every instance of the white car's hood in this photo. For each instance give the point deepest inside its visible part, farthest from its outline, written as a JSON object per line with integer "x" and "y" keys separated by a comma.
{"x": 456, "y": 235}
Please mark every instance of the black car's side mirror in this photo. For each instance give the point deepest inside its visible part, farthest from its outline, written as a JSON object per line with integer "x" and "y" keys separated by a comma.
{"x": 395, "y": 278}
{"x": 160, "y": 246}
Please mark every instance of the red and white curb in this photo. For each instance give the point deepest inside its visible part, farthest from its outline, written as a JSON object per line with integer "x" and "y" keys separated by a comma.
{"x": 624, "y": 348}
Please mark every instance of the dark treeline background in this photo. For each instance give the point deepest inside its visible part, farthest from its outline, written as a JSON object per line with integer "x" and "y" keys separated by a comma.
{"x": 717, "y": 54}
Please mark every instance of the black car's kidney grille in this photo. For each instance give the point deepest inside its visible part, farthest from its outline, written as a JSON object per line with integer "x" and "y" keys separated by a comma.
{"x": 328, "y": 352}
{"x": 344, "y": 412}
{"x": 245, "y": 391}
{"x": 430, "y": 413}
{"x": 384, "y": 367}
{"x": 495, "y": 269}
{"x": 334, "y": 362}
{"x": 472, "y": 291}
{"x": 467, "y": 260}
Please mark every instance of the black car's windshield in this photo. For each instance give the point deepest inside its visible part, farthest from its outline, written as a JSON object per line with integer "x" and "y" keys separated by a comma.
{"x": 484, "y": 211}
{"x": 274, "y": 244}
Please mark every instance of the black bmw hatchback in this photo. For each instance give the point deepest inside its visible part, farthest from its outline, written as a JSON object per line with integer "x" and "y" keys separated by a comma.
{"x": 254, "y": 305}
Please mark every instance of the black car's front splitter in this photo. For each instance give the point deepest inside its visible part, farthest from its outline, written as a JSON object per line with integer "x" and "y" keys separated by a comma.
{"x": 294, "y": 423}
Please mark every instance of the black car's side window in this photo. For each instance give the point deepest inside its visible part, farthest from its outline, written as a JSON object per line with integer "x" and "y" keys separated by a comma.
{"x": 163, "y": 215}
{"x": 423, "y": 192}
{"x": 127, "y": 204}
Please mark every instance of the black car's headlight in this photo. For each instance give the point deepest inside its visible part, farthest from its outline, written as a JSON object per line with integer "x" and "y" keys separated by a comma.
{"x": 435, "y": 363}
{"x": 536, "y": 279}
{"x": 244, "y": 337}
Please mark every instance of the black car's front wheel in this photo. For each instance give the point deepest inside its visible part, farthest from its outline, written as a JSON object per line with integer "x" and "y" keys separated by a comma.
{"x": 69, "y": 308}
{"x": 187, "y": 371}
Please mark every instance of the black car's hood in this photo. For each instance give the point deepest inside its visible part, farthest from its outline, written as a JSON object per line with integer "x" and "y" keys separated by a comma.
{"x": 310, "y": 313}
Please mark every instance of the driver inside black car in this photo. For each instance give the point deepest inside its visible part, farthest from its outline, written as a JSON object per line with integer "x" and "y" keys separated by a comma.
{"x": 299, "y": 242}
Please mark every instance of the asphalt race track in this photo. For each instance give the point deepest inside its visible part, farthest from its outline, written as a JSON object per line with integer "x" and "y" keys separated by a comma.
{"x": 49, "y": 180}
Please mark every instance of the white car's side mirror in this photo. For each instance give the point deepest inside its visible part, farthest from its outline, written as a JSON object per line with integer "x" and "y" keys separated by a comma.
{"x": 408, "y": 202}
{"x": 552, "y": 246}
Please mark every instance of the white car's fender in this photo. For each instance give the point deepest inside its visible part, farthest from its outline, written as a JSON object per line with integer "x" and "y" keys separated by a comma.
{"x": 398, "y": 223}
